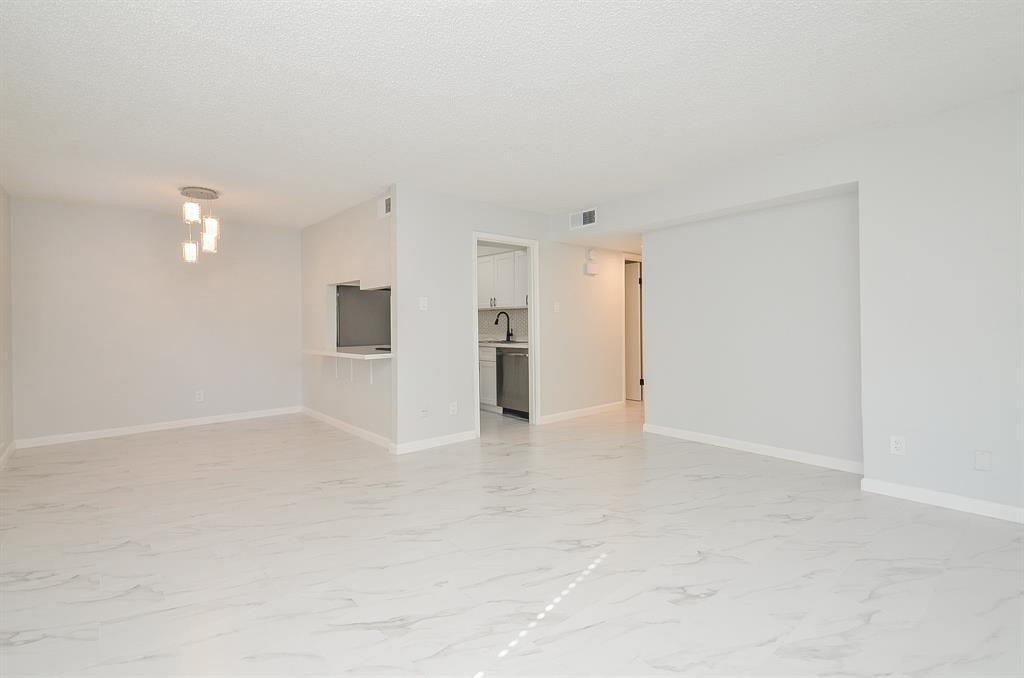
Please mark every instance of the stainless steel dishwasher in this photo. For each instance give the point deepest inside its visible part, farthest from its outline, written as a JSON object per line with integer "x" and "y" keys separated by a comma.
{"x": 514, "y": 379}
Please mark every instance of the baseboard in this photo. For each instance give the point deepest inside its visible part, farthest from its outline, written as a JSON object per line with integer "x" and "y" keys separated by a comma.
{"x": 427, "y": 443}
{"x": 584, "y": 412}
{"x": 370, "y": 436}
{"x": 757, "y": 448}
{"x": 41, "y": 441}
{"x": 990, "y": 509}
{"x": 8, "y": 450}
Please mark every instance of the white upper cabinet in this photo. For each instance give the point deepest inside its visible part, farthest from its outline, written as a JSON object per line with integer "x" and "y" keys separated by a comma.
{"x": 522, "y": 288}
{"x": 505, "y": 279}
{"x": 485, "y": 282}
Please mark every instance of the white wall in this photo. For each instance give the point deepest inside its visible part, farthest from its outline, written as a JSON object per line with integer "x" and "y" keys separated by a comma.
{"x": 354, "y": 245}
{"x": 942, "y": 282}
{"x": 6, "y": 381}
{"x": 752, "y": 327}
{"x": 111, "y": 329}
{"x": 582, "y": 359}
{"x": 433, "y": 350}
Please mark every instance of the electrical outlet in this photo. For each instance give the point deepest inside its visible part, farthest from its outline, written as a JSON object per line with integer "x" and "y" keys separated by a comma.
{"x": 424, "y": 303}
{"x": 982, "y": 460}
{"x": 200, "y": 396}
{"x": 453, "y": 407}
{"x": 558, "y": 307}
{"x": 897, "y": 445}
{"x": 424, "y": 413}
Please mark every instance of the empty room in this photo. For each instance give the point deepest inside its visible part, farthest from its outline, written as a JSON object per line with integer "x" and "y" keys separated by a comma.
{"x": 494, "y": 339}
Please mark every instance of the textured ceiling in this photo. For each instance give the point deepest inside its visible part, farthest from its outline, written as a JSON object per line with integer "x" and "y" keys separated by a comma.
{"x": 296, "y": 110}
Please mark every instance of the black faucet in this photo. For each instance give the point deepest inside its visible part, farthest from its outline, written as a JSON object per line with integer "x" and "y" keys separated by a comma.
{"x": 508, "y": 324}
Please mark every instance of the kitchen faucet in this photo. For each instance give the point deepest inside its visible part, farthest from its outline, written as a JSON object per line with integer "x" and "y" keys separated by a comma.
{"x": 508, "y": 324}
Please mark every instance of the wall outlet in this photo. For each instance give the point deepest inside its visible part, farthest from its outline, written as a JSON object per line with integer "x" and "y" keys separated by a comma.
{"x": 200, "y": 396}
{"x": 982, "y": 460}
{"x": 558, "y": 307}
{"x": 897, "y": 445}
{"x": 424, "y": 413}
{"x": 453, "y": 407}
{"x": 424, "y": 303}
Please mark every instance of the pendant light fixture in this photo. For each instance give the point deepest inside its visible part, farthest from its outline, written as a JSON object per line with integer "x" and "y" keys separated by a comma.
{"x": 195, "y": 211}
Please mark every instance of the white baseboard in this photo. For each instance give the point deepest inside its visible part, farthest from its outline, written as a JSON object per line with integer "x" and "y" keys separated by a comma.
{"x": 23, "y": 443}
{"x": 6, "y": 453}
{"x": 427, "y": 443}
{"x": 1014, "y": 514}
{"x": 372, "y": 437}
{"x": 584, "y": 412}
{"x": 757, "y": 448}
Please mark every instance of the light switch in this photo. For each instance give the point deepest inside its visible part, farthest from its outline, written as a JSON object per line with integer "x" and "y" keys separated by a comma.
{"x": 424, "y": 303}
{"x": 558, "y": 307}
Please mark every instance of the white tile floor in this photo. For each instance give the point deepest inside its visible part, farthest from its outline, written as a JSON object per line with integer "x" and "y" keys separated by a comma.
{"x": 282, "y": 547}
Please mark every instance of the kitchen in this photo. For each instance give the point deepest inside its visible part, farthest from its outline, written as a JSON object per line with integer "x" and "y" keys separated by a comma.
{"x": 503, "y": 299}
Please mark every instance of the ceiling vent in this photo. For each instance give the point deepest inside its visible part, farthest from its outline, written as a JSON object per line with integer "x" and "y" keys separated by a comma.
{"x": 584, "y": 219}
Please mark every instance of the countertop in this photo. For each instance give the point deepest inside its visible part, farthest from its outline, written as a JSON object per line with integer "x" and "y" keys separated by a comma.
{"x": 352, "y": 352}
{"x": 502, "y": 344}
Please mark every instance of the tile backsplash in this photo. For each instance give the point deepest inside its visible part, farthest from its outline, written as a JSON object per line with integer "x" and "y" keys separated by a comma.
{"x": 491, "y": 332}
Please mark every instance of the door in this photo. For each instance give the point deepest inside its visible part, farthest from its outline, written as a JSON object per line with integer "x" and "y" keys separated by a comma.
{"x": 522, "y": 295}
{"x": 485, "y": 282}
{"x": 505, "y": 278}
{"x": 634, "y": 332}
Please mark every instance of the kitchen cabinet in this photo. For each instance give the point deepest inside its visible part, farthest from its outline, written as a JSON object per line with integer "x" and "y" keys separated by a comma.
{"x": 503, "y": 280}
{"x": 485, "y": 282}
{"x": 488, "y": 377}
{"x": 521, "y": 297}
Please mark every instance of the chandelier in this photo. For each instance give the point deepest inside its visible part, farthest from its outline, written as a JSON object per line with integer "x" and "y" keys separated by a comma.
{"x": 196, "y": 212}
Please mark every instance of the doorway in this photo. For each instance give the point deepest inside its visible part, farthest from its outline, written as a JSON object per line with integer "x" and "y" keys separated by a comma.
{"x": 634, "y": 339}
{"x": 506, "y": 319}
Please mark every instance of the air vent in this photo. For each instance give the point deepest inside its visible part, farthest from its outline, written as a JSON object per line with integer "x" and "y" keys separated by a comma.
{"x": 384, "y": 206}
{"x": 582, "y": 219}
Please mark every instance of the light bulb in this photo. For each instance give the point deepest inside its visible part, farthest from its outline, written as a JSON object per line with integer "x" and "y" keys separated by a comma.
{"x": 211, "y": 226}
{"x": 189, "y": 251}
{"x": 191, "y": 212}
{"x": 209, "y": 243}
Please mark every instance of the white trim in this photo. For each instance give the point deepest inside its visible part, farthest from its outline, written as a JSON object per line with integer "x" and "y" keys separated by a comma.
{"x": 1014, "y": 514}
{"x": 584, "y": 412}
{"x": 811, "y": 458}
{"x": 427, "y": 443}
{"x": 370, "y": 436}
{"x": 149, "y": 428}
{"x": 532, "y": 314}
{"x": 6, "y": 454}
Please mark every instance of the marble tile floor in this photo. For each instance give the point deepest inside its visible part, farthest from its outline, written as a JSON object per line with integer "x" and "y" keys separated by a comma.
{"x": 284, "y": 547}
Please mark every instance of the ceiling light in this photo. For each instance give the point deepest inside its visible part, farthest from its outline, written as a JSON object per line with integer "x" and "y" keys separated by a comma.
{"x": 190, "y": 212}
{"x": 211, "y": 225}
{"x": 189, "y": 251}
{"x": 196, "y": 210}
{"x": 209, "y": 243}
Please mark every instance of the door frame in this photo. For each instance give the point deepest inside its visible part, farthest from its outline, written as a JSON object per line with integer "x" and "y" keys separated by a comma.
{"x": 532, "y": 315}
{"x": 634, "y": 259}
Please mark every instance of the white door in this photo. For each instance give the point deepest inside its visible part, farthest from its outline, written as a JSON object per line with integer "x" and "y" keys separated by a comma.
{"x": 522, "y": 295}
{"x": 489, "y": 383}
{"x": 485, "y": 282}
{"x": 505, "y": 278}
{"x": 634, "y": 336}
